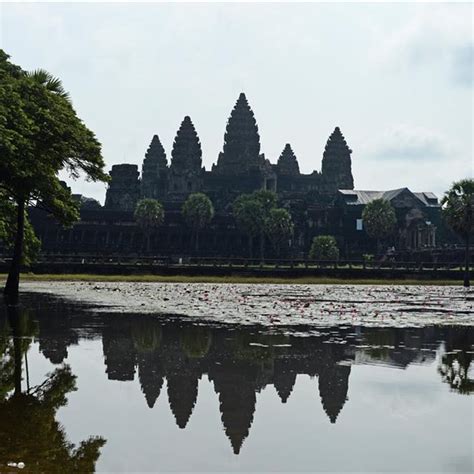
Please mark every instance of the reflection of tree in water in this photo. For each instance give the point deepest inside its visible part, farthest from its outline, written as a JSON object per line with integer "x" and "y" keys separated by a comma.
{"x": 29, "y": 432}
{"x": 455, "y": 362}
{"x": 146, "y": 335}
{"x": 196, "y": 341}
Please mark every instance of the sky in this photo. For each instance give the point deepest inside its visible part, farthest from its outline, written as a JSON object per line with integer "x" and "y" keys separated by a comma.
{"x": 396, "y": 78}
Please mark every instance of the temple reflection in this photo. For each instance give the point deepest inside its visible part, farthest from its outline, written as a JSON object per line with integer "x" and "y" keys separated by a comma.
{"x": 168, "y": 357}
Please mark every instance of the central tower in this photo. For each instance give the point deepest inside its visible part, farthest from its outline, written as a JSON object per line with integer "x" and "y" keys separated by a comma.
{"x": 241, "y": 150}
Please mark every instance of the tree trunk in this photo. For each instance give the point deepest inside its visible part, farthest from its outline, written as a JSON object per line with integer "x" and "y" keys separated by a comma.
{"x": 196, "y": 241}
{"x": 467, "y": 282}
{"x": 250, "y": 246}
{"x": 14, "y": 321}
{"x": 262, "y": 247}
{"x": 13, "y": 281}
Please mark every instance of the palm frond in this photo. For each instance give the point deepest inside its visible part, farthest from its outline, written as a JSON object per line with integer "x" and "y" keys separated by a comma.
{"x": 53, "y": 84}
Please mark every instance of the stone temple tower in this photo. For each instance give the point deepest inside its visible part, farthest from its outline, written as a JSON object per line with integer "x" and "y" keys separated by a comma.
{"x": 154, "y": 171}
{"x": 123, "y": 192}
{"x": 287, "y": 163}
{"x": 336, "y": 167}
{"x": 241, "y": 141}
{"x": 186, "y": 172}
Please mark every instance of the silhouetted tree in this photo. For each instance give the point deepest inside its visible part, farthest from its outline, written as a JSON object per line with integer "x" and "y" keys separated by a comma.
{"x": 324, "y": 247}
{"x": 149, "y": 215}
{"x": 198, "y": 212}
{"x": 379, "y": 220}
{"x": 458, "y": 211}
{"x": 279, "y": 227}
{"x": 40, "y": 135}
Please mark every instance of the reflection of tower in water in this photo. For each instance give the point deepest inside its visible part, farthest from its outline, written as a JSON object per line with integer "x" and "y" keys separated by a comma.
{"x": 284, "y": 379}
{"x": 237, "y": 397}
{"x": 150, "y": 374}
{"x": 333, "y": 384}
{"x": 119, "y": 351}
{"x": 182, "y": 396}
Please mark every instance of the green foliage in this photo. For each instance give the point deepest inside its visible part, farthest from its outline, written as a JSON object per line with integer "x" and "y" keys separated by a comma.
{"x": 268, "y": 199}
{"x": 368, "y": 257}
{"x": 324, "y": 247}
{"x": 379, "y": 219}
{"x": 249, "y": 214}
{"x": 257, "y": 214}
{"x": 40, "y": 135}
{"x": 8, "y": 224}
{"x": 251, "y": 211}
{"x": 458, "y": 207}
{"x": 149, "y": 214}
{"x": 198, "y": 210}
{"x": 279, "y": 226}
{"x": 51, "y": 83}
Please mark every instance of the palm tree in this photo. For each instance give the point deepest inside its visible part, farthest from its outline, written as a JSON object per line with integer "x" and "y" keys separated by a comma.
{"x": 51, "y": 83}
{"x": 458, "y": 210}
{"x": 198, "y": 211}
{"x": 279, "y": 227}
{"x": 149, "y": 215}
{"x": 379, "y": 220}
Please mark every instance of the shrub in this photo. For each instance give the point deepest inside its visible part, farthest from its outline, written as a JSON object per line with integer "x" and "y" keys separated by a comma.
{"x": 324, "y": 247}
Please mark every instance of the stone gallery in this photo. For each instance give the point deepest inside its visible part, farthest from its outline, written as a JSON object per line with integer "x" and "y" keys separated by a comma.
{"x": 320, "y": 203}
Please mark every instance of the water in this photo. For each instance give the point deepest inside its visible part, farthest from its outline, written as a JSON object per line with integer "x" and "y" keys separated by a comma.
{"x": 149, "y": 393}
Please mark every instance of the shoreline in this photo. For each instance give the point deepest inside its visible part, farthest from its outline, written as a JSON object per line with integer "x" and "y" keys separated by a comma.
{"x": 234, "y": 279}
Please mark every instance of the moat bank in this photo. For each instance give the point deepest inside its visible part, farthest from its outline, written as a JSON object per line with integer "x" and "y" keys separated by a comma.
{"x": 235, "y": 273}
{"x": 235, "y": 279}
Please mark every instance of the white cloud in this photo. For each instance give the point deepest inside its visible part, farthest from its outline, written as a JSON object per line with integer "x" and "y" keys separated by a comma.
{"x": 408, "y": 143}
{"x": 436, "y": 35}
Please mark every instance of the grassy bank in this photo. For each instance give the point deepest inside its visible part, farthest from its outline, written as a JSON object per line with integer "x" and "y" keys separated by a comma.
{"x": 225, "y": 279}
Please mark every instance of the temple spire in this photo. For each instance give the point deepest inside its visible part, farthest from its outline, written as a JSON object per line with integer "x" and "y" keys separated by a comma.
{"x": 336, "y": 166}
{"x": 154, "y": 170}
{"x": 186, "y": 154}
{"x": 186, "y": 163}
{"x": 241, "y": 140}
{"x": 287, "y": 163}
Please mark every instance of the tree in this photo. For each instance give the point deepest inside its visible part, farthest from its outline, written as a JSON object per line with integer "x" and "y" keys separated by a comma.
{"x": 324, "y": 247}
{"x": 149, "y": 214}
{"x": 458, "y": 211}
{"x": 379, "y": 219}
{"x": 198, "y": 211}
{"x": 279, "y": 227}
{"x": 40, "y": 135}
{"x": 31, "y": 243}
{"x": 249, "y": 215}
{"x": 251, "y": 211}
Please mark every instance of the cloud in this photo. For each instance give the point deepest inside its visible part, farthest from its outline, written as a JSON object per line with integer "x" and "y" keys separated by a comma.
{"x": 463, "y": 65}
{"x": 410, "y": 143}
{"x": 438, "y": 35}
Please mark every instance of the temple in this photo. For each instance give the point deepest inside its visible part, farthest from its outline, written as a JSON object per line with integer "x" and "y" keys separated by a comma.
{"x": 320, "y": 202}
{"x": 240, "y": 168}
